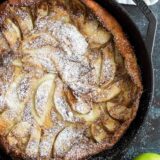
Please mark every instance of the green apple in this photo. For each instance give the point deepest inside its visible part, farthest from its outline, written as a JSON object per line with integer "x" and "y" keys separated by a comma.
{"x": 148, "y": 156}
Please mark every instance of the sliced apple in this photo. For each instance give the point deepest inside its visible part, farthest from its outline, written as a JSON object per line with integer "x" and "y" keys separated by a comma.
{"x": 33, "y": 43}
{"x": 98, "y": 133}
{"x": 24, "y": 89}
{"x": 99, "y": 38}
{"x": 77, "y": 104}
{"x": 24, "y": 18}
{"x": 17, "y": 62}
{"x": 12, "y": 99}
{"x": 4, "y": 47}
{"x": 40, "y": 61}
{"x": 12, "y": 33}
{"x": 47, "y": 142}
{"x": 42, "y": 10}
{"x": 119, "y": 112}
{"x": 8, "y": 119}
{"x": 106, "y": 94}
{"x": 32, "y": 148}
{"x": 61, "y": 14}
{"x": 109, "y": 123}
{"x": 67, "y": 139}
{"x": 42, "y": 100}
{"x": 19, "y": 135}
{"x": 39, "y": 54}
{"x": 89, "y": 28}
{"x": 93, "y": 115}
{"x": 108, "y": 67}
{"x": 128, "y": 91}
{"x": 97, "y": 65}
{"x": 61, "y": 104}
{"x": 82, "y": 107}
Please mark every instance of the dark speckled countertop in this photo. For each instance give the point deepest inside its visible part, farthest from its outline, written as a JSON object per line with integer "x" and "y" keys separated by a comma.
{"x": 148, "y": 137}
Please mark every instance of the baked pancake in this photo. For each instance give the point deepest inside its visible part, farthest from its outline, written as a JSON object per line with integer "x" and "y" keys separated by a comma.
{"x": 69, "y": 82}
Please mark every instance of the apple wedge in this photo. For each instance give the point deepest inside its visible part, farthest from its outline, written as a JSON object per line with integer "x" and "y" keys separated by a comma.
{"x": 119, "y": 112}
{"x": 32, "y": 147}
{"x": 108, "y": 69}
{"x": 66, "y": 139}
{"x": 106, "y": 94}
{"x": 24, "y": 18}
{"x": 12, "y": 33}
{"x": 4, "y": 47}
{"x": 98, "y": 133}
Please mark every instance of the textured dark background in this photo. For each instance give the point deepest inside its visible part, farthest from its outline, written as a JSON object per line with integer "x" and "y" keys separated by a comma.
{"x": 147, "y": 138}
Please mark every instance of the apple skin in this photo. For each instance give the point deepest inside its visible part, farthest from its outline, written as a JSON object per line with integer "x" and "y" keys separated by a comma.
{"x": 148, "y": 156}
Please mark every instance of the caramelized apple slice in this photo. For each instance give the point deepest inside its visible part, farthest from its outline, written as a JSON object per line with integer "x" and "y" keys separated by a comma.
{"x": 39, "y": 54}
{"x": 8, "y": 119}
{"x": 42, "y": 100}
{"x": 33, "y": 43}
{"x": 128, "y": 91}
{"x": 42, "y": 9}
{"x": 61, "y": 14}
{"x": 82, "y": 107}
{"x": 12, "y": 99}
{"x": 97, "y": 65}
{"x": 93, "y": 115}
{"x": 108, "y": 67}
{"x": 119, "y": 112}
{"x": 89, "y": 28}
{"x": 4, "y": 47}
{"x": 110, "y": 124}
{"x": 40, "y": 61}
{"x": 24, "y": 18}
{"x": 98, "y": 133}
{"x": 66, "y": 139}
{"x": 17, "y": 63}
{"x": 78, "y": 104}
{"x": 61, "y": 104}
{"x": 19, "y": 136}
{"x": 99, "y": 38}
{"x": 33, "y": 143}
{"x": 106, "y": 94}
{"x": 47, "y": 142}
{"x": 11, "y": 33}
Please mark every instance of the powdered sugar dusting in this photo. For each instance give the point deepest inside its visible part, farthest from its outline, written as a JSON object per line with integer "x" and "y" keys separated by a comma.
{"x": 66, "y": 139}
{"x": 42, "y": 96}
{"x": 82, "y": 107}
{"x": 47, "y": 141}
{"x": 23, "y": 88}
{"x": 108, "y": 69}
{"x": 27, "y": 114}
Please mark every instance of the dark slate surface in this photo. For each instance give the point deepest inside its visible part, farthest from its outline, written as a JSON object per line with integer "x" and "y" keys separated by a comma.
{"x": 148, "y": 137}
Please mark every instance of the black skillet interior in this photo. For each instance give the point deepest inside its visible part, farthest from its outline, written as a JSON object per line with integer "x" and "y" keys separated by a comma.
{"x": 144, "y": 61}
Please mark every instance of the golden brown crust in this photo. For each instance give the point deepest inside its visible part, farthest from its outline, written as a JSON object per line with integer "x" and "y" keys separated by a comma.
{"x": 127, "y": 52}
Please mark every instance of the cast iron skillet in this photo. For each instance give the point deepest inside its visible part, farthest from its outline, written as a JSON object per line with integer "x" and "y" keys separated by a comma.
{"x": 143, "y": 52}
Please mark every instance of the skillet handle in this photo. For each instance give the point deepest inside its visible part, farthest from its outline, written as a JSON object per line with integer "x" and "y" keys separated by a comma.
{"x": 152, "y": 27}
